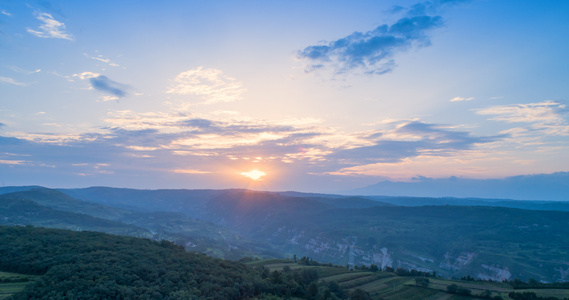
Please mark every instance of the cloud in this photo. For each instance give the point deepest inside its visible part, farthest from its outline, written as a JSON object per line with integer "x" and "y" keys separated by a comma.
{"x": 50, "y": 28}
{"x": 548, "y": 116}
{"x": 410, "y": 139}
{"x": 373, "y": 50}
{"x": 189, "y": 171}
{"x": 86, "y": 75}
{"x": 12, "y": 81}
{"x": 23, "y": 71}
{"x": 211, "y": 85}
{"x": 104, "y": 84}
{"x": 458, "y": 99}
{"x": 12, "y": 162}
{"x": 102, "y": 59}
{"x": 542, "y": 112}
{"x": 4, "y": 12}
{"x": 155, "y": 144}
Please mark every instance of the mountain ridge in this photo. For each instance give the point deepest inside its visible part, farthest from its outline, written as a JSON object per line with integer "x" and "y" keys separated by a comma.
{"x": 554, "y": 187}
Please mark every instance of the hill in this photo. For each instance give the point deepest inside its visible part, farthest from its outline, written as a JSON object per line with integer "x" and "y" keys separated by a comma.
{"x": 526, "y": 187}
{"x": 54, "y": 209}
{"x": 485, "y": 242}
{"x": 91, "y": 265}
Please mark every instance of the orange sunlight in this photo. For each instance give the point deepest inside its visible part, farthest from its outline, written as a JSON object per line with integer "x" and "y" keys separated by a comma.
{"x": 254, "y": 174}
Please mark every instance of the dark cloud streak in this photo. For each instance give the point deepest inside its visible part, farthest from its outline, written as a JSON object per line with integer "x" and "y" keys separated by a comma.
{"x": 371, "y": 51}
{"x": 104, "y": 84}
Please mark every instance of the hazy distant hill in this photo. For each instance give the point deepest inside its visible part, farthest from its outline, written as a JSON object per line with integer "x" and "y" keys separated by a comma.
{"x": 20, "y": 211}
{"x": 488, "y": 242}
{"x": 484, "y": 242}
{"x": 54, "y": 209}
{"x": 527, "y": 187}
{"x": 473, "y": 239}
{"x": 367, "y": 201}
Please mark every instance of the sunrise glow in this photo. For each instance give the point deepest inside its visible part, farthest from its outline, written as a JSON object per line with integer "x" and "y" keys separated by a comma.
{"x": 254, "y": 174}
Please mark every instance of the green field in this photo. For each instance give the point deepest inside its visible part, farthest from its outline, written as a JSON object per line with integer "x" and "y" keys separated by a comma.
{"x": 389, "y": 286}
{"x": 11, "y": 283}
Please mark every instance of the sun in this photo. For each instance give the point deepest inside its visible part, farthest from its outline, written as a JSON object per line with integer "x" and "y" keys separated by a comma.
{"x": 254, "y": 174}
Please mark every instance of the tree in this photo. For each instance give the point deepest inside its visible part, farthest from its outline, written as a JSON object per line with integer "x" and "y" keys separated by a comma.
{"x": 459, "y": 290}
{"x": 359, "y": 294}
{"x": 312, "y": 291}
{"x": 422, "y": 281}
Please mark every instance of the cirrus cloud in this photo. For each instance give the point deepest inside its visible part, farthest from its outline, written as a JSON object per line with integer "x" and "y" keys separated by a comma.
{"x": 12, "y": 81}
{"x": 547, "y": 116}
{"x": 51, "y": 28}
{"x": 458, "y": 99}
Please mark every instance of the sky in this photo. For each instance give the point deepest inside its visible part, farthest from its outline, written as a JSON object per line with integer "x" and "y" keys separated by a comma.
{"x": 316, "y": 96}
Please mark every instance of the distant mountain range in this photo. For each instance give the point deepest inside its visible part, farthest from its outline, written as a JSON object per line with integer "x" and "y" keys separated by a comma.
{"x": 454, "y": 237}
{"x": 526, "y": 187}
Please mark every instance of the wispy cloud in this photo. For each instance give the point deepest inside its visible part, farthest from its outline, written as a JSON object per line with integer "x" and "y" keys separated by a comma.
{"x": 410, "y": 139}
{"x": 548, "y": 116}
{"x": 189, "y": 171}
{"x": 12, "y": 81}
{"x": 198, "y": 144}
{"x": 210, "y": 85}
{"x": 288, "y": 141}
{"x": 100, "y": 58}
{"x": 12, "y": 162}
{"x": 4, "y": 12}
{"x": 51, "y": 28}
{"x": 459, "y": 99}
{"x": 23, "y": 71}
{"x": 371, "y": 51}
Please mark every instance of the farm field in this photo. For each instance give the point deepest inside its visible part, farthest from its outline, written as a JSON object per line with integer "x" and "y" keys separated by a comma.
{"x": 390, "y": 286}
{"x": 11, "y": 283}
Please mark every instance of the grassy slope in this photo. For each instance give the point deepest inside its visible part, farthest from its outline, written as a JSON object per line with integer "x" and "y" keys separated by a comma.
{"x": 9, "y": 288}
{"x": 389, "y": 286}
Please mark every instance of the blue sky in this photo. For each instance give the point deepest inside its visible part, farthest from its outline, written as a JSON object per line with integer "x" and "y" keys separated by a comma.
{"x": 318, "y": 95}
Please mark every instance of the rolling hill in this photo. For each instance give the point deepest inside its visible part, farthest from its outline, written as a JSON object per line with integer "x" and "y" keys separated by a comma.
{"x": 485, "y": 242}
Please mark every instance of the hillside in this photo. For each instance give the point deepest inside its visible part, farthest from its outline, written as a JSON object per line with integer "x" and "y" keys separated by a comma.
{"x": 484, "y": 242}
{"x": 411, "y": 285}
{"x": 53, "y": 209}
{"x": 38, "y": 263}
{"x": 91, "y": 265}
{"x": 481, "y": 241}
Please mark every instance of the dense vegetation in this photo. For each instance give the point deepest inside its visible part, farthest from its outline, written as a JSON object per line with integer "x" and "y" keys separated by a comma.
{"x": 62, "y": 264}
{"x": 91, "y": 265}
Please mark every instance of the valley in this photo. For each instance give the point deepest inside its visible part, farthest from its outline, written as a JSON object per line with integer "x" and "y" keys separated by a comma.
{"x": 485, "y": 242}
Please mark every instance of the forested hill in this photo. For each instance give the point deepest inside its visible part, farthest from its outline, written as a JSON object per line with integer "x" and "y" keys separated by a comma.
{"x": 91, "y": 265}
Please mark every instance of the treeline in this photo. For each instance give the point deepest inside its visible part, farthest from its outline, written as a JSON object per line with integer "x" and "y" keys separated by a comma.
{"x": 91, "y": 265}
{"x": 534, "y": 284}
{"x": 14, "y": 279}
{"x": 530, "y": 296}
